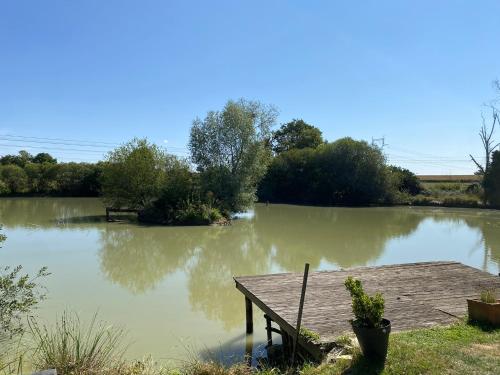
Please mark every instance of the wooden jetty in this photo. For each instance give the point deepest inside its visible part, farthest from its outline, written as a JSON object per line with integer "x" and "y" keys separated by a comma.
{"x": 109, "y": 210}
{"x": 417, "y": 295}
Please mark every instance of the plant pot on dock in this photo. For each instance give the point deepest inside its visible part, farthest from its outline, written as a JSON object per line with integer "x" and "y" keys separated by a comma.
{"x": 484, "y": 312}
{"x": 373, "y": 341}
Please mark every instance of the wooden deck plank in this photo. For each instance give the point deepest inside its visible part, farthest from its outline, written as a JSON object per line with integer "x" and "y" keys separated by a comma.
{"x": 417, "y": 295}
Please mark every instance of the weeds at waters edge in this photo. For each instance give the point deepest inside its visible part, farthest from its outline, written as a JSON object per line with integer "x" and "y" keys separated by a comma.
{"x": 73, "y": 349}
{"x": 458, "y": 349}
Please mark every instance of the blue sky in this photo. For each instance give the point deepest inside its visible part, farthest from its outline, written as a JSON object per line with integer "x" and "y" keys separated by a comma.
{"x": 416, "y": 72}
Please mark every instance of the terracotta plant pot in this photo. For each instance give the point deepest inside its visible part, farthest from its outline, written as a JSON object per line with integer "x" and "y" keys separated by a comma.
{"x": 373, "y": 341}
{"x": 484, "y": 312}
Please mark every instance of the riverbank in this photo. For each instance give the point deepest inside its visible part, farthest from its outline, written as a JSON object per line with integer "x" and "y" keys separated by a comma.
{"x": 458, "y": 349}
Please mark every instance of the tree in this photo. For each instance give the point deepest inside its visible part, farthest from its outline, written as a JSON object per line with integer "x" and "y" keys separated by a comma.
{"x": 229, "y": 149}
{"x": 20, "y": 160}
{"x": 14, "y": 177}
{"x": 44, "y": 157}
{"x": 296, "y": 134}
{"x": 345, "y": 172}
{"x": 133, "y": 174}
{"x": 489, "y": 144}
{"x": 491, "y": 181}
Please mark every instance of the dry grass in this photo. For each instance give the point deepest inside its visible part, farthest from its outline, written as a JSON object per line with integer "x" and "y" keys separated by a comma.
{"x": 449, "y": 178}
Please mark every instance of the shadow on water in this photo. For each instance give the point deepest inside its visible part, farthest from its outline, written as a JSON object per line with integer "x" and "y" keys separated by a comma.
{"x": 233, "y": 350}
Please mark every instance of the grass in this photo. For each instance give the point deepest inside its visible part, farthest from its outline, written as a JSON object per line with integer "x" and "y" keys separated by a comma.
{"x": 449, "y": 178}
{"x": 449, "y": 194}
{"x": 309, "y": 335}
{"x": 95, "y": 350}
{"x": 73, "y": 348}
{"x": 459, "y": 349}
{"x": 488, "y": 296}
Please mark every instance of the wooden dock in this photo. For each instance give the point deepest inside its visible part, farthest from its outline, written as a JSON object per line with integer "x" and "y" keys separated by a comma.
{"x": 417, "y": 295}
{"x": 110, "y": 210}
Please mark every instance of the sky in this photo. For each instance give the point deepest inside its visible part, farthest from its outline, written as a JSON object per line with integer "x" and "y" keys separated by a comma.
{"x": 79, "y": 77}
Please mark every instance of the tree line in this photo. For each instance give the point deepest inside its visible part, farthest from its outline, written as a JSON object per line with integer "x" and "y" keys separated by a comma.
{"x": 41, "y": 174}
{"x": 235, "y": 160}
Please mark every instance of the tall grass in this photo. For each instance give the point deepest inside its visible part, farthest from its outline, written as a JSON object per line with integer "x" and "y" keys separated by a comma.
{"x": 72, "y": 348}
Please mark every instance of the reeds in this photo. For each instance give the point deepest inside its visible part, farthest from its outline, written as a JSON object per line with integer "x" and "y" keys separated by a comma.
{"x": 72, "y": 348}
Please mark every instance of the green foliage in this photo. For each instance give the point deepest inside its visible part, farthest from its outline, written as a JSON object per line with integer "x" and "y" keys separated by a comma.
{"x": 133, "y": 174}
{"x": 296, "y": 134}
{"x": 180, "y": 201}
{"x": 405, "y": 180}
{"x": 491, "y": 181}
{"x": 72, "y": 348}
{"x": 230, "y": 150}
{"x": 19, "y": 294}
{"x": 197, "y": 214}
{"x": 20, "y": 160}
{"x": 346, "y": 172}
{"x": 308, "y": 335}
{"x": 44, "y": 157}
{"x": 41, "y": 175}
{"x": 14, "y": 177}
{"x": 367, "y": 310}
{"x": 488, "y": 296}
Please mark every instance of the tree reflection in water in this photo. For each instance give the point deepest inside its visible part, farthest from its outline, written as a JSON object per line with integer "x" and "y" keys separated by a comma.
{"x": 278, "y": 238}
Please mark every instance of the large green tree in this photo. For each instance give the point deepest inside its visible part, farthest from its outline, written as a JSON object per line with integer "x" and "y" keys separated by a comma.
{"x": 133, "y": 174}
{"x": 230, "y": 149}
{"x": 345, "y": 172}
{"x": 296, "y": 134}
{"x": 14, "y": 177}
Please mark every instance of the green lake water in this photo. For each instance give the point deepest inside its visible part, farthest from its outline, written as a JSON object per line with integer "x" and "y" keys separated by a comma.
{"x": 171, "y": 288}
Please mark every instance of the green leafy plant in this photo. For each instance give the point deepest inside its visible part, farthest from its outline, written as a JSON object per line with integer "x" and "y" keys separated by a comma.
{"x": 19, "y": 294}
{"x": 308, "y": 335}
{"x": 367, "y": 310}
{"x": 488, "y": 296}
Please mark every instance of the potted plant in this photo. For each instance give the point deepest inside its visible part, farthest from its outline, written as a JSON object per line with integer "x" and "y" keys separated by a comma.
{"x": 371, "y": 329}
{"x": 486, "y": 309}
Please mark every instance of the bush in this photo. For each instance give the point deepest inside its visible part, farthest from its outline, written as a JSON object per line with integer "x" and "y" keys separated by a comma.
{"x": 197, "y": 214}
{"x": 345, "y": 172}
{"x": 19, "y": 294}
{"x": 367, "y": 310}
{"x": 405, "y": 180}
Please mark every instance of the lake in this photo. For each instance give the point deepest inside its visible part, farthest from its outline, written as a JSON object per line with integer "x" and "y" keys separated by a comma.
{"x": 171, "y": 288}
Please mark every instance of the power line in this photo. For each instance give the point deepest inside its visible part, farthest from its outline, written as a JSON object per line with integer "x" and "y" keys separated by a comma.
{"x": 70, "y": 142}
{"x": 51, "y": 142}
{"x": 51, "y": 148}
{"x": 62, "y": 139}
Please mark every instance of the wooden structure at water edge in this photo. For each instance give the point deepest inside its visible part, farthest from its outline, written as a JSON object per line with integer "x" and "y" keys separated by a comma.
{"x": 417, "y": 295}
{"x": 110, "y": 210}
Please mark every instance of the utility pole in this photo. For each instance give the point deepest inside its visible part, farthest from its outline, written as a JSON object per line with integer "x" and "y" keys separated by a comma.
{"x": 379, "y": 142}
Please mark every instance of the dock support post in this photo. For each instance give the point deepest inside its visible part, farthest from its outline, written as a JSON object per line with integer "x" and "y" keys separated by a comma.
{"x": 249, "y": 349}
{"x": 269, "y": 331}
{"x": 249, "y": 315}
{"x": 107, "y": 213}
